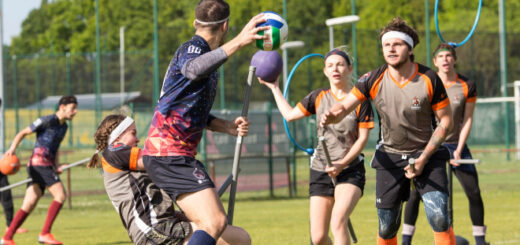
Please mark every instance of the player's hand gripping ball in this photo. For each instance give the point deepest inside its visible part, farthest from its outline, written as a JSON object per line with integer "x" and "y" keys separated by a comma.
{"x": 268, "y": 65}
{"x": 9, "y": 164}
{"x": 277, "y": 34}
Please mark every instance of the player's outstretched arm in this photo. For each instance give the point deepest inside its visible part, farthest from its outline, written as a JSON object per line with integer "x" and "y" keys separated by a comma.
{"x": 17, "y": 139}
{"x": 288, "y": 112}
{"x": 246, "y": 36}
{"x": 340, "y": 110}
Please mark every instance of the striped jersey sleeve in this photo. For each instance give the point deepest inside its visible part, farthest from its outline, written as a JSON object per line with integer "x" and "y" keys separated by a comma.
{"x": 365, "y": 115}
{"x": 122, "y": 157}
{"x": 309, "y": 103}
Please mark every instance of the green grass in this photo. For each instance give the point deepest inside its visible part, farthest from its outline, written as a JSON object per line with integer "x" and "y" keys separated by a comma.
{"x": 282, "y": 220}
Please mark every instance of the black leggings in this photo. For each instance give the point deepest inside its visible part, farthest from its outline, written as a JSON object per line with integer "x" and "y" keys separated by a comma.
{"x": 469, "y": 182}
{"x": 6, "y": 199}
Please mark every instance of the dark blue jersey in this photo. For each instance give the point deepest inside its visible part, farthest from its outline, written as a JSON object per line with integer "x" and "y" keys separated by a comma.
{"x": 49, "y": 134}
{"x": 183, "y": 110}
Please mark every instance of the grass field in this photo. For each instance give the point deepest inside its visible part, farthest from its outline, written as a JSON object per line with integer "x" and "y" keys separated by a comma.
{"x": 280, "y": 219}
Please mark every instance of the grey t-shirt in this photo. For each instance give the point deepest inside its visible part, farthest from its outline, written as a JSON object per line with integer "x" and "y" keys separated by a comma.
{"x": 460, "y": 92}
{"x": 341, "y": 136}
{"x": 405, "y": 110}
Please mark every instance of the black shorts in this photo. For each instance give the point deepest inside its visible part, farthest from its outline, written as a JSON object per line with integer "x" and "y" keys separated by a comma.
{"x": 392, "y": 186}
{"x": 177, "y": 175}
{"x": 44, "y": 176}
{"x": 321, "y": 183}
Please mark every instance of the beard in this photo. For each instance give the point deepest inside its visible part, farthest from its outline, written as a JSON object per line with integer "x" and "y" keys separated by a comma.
{"x": 400, "y": 63}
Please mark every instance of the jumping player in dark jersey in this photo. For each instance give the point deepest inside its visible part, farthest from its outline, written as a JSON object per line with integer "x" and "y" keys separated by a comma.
{"x": 43, "y": 168}
{"x": 406, "y": 96}
{"x": 183, "y": 112}
{"x": 331, "y": 204}
{"x": 146, "y": 211}
{"x": 462, "y": 93}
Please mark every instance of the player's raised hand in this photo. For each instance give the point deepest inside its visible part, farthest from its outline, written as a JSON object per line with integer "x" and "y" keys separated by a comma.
{"x": 250, "y": 32}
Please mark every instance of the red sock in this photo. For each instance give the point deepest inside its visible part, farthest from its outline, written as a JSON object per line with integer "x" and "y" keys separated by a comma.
{"x": 54, "y": 209}
{"x": 18, "y": 220}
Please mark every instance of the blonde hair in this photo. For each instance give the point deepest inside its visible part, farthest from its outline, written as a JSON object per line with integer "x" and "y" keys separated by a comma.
{"x": 101, "y": 136}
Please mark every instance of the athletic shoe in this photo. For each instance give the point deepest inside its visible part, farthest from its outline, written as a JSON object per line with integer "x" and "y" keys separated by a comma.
{"x": 7, "y": 242}
{"x": 19, "y": 230}
{"x": 48, "y": 239}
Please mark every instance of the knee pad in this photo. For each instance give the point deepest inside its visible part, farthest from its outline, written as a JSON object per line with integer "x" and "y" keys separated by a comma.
{"x": 389, "y": 221}
{"x": 436, "y": 209}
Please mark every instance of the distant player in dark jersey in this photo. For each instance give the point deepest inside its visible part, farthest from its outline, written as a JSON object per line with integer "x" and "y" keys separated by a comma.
{"x": 43, "y": 168}
{"x": 407, "y": 96}
{"x": 329, "y": 204}
{"x": 6, "y": 199}
{"x": 146, "y": 211}
{"x": 183, "y": 112}
{"x": 462, "y": 93}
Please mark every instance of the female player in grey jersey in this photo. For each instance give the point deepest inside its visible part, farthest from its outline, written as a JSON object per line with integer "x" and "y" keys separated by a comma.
{"x": 331, "y": 204}
{"x": 146, "y": 211}
{"x": 463, "y": 95}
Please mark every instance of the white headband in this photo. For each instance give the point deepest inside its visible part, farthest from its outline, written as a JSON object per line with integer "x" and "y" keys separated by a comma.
{"x": 120, "y": 129}
{"x": 211, "y": 22}
{"x": 397, "y": 34}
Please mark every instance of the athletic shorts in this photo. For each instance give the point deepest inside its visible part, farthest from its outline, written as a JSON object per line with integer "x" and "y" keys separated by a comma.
{"x": 392, "y": 186}
{"x": 44, "y": 176}
{"x": 465, "y": 154}
{"x": 177, "y": 175}
{"x": 321, "y": 183}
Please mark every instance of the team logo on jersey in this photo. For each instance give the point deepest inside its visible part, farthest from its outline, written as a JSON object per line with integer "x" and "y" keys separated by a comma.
{"x": 200, "y": 175}
{"x": 416, "y": 104}
{"x": 456, "y": 100}
{"x": 193, "y": 50}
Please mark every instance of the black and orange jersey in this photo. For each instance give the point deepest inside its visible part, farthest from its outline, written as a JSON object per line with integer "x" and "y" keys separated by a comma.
{"x": 140, "y": 203}
{"x": 460, "y": 92}
{"x": 405, "y": 110}
{"x": 341, "y": 136}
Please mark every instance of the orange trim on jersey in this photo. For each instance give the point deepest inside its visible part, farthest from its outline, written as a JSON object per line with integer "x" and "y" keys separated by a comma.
{"x": 451, "y": 83}
{"x": 375, "y": 87}
{"x": 107, "y": 167}
{"x": 441, "y": 104}
{"x": 360, "y": 96}
{"x": 336, "y": 97}
{"x": 366, "y": 125}
{"x": 358, "y": 109}
{"x": 408, "y": 80}
{"x": 318, "y": 99}
{"x": 134, "y": 156}
{"x": 429, "y": 86}
{"x": 302, "y": 109}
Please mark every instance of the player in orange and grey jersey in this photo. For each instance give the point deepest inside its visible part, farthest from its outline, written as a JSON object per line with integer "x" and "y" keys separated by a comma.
{"x": 407, "y": 96}
{"x": 333, "y": 204}
{"x": 462, "y": 93}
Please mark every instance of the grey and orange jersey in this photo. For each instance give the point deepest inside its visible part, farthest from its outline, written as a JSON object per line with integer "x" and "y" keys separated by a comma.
{"x": 139, "y": 202}
{"x": 341, "y": 136}
{"x": 460, "y": 92}
{"x": 405, "y": 110}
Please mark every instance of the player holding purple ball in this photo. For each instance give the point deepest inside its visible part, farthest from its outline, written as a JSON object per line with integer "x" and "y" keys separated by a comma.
{"x": 332, "y": 204}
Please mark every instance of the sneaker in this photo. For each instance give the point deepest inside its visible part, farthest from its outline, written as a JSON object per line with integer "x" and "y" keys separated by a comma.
{"x": 48, "y": 239}
{"x": 19, "y": 230}
{"x": 7, "y": 242}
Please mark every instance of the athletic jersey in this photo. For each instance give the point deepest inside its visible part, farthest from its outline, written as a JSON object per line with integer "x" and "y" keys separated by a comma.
{"x": 341, "y": 136}
{"x": 460, "y": 92}
{"x": 49, "y": 134}
{"x": 405, "y": 110}
{"x": 183, "y": 109}
{"x": 139, "y": 202}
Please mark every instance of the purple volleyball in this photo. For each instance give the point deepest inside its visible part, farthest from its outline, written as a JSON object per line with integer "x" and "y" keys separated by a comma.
{"x": 268, "y": 65}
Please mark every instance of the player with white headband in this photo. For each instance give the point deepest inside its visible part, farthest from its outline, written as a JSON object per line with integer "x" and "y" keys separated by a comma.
{"x": 406, "y": 95}
{"x": 147, "y": 212}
